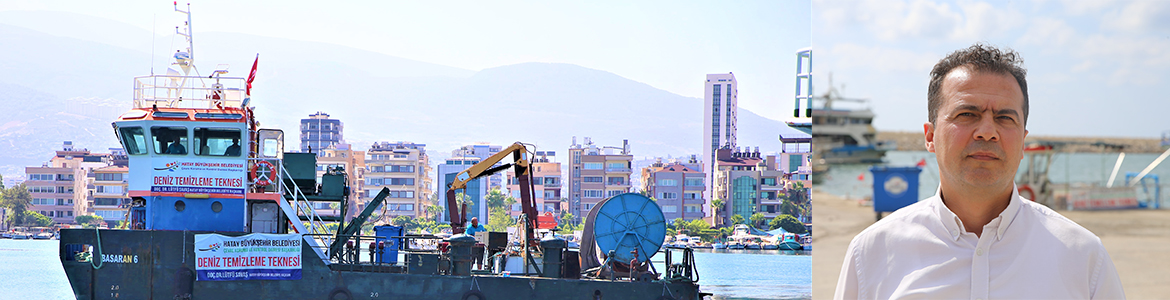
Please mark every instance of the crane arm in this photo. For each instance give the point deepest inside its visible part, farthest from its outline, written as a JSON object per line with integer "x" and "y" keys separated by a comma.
{"x": 487, "y": 167}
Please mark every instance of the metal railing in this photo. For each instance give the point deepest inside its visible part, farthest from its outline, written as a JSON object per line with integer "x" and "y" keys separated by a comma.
{"x": 305, "y": 208}
{"x": 299, "y": 206}
{"x": 181, "y": 91}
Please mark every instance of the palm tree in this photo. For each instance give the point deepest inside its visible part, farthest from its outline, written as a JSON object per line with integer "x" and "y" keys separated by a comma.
{"x": 716, "y": 207}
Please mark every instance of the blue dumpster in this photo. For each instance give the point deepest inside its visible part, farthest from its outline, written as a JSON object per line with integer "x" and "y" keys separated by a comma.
{"x": 894, "y": 188}
{"x": 390, "y": 252}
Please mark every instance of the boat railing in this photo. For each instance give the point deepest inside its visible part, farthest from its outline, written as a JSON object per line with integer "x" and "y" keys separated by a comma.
{"x": 189, "y": 91}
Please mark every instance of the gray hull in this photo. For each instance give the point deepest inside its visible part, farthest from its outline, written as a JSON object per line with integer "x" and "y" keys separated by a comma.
{"x": 160, "y": 265}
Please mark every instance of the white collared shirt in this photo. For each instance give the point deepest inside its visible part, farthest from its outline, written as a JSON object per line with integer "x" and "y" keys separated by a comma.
{"x": 1029, "y": 252}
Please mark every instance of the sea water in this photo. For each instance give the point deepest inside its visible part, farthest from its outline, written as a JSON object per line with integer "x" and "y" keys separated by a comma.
{"x": 31, "y": 269}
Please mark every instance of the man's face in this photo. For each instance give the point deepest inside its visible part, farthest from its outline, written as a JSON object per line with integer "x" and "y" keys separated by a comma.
{"x": 979, "y": 133}
{"x": 474, "y": 222}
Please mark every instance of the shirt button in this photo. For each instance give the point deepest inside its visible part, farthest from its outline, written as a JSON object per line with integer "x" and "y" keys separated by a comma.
{"x": 978, "y": 252}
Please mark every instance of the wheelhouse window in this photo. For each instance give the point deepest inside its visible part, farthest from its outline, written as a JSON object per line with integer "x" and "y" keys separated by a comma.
{"x": 170, "y": 140}
{"x": 134, "y": 140}
{"x": 217, "y": 142}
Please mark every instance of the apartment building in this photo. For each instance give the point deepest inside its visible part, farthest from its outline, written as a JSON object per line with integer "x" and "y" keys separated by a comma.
{"x": 343, "y": 156}
{"x": 67, "y": 185}
{"x": 320, "y": 132}
{"x": 678, "y": 187}
{"x": 108, "y": 193}
{"x": 404, "y": 167}
{"x": 546, "y": 185}
{"x": 748, "y": 183}
{"x": 597, "y": 173}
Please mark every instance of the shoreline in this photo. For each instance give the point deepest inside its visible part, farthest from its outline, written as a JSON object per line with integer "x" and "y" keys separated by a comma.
{"x": 915, "y": 141}
{"x": 1137, "y": 241}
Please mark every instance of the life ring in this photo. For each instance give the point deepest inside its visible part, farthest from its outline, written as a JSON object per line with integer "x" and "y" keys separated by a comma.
{"x": 1028, "y": 189}
{"x": 476, "y": 293}
{"x": 262, "y": 181}
{"x": 340, "y": 293}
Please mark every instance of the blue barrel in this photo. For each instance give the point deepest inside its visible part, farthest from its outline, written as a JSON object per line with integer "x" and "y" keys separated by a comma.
{"x": 390, "y": 253}
{"x": 894, "y": 187}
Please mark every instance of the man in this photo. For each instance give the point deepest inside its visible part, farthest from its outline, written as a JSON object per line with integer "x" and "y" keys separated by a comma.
{"x": 477, "y": 251}
{"x": 977, "y": 238}
{"x": 234, "y": 149}
{"x": 474, "y": 227}
{"x": 176, "y": 146}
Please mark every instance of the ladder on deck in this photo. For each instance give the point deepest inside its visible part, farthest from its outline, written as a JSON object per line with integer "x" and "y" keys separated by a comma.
{"x": 300, "y": 211}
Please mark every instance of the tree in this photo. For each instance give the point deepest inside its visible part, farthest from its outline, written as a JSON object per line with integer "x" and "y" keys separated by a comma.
{"x": 790, "y": 224}
{"x": 434, "y": 212}
{"x": 495, "y": 198}
{"x": 789, "y": 208}
{"x": 35, "y": 219}
{"x": 567, "y": 223}
{"x": 736, "y": 219}
{"x": 401, "y": 221}
{"x": 17, "y": 200}
{"x": 677, "y": 223}
{"x": 758, "y": 220}
{"x": 500, "y": 220}
{"x": 697, "y": 226}
{"x": 716, "y": 208}
{"x": 89, "y": 221}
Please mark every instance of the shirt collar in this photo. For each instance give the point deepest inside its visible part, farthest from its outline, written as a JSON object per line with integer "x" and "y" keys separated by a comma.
{"x": 954, "y": 226}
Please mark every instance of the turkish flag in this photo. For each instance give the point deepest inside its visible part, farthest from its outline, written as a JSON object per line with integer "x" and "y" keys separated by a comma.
{"x": 252, "y": 75}
{"x": 861, "y": 177}
{"x": 922, "y": 163}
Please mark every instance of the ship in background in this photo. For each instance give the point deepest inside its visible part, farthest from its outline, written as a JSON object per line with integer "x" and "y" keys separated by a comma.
{"x": 845, "y": 135}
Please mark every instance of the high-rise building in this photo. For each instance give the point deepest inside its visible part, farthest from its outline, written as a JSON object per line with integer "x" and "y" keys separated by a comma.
{"x": 719, "y": 111}
{"x": 354, "y": 163}
{"x": 546, "y": 184}
{"x": 404, "y": 168}
{"x": 597, "y": 173}
{"x": 319, "y": 132}
{"x": 475, "y": 190}
{"x": 678, "y": 187}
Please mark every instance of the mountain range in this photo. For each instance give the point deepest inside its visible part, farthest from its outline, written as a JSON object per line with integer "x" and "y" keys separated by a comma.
{"x": 60, "y": 84}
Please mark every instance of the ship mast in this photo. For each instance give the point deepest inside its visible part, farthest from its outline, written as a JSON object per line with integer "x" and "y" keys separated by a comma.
{"x": 186, "y": 33}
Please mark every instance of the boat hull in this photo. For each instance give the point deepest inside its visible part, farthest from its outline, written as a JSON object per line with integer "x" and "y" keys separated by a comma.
{"x": 790, "y": 246}
{"x": 160, "y": 265}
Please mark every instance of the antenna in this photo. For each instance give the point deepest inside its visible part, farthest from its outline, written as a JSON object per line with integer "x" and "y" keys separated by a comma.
{"x": 153, "y": 36}
{"x": 187, "y": 34}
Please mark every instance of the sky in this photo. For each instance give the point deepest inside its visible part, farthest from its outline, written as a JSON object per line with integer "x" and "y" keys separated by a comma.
{"x": 1095, "y": 68}
{"x": 669, "y": 45}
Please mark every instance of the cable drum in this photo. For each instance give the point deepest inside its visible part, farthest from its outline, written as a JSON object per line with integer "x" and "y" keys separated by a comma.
{"x": 629, "y": 221}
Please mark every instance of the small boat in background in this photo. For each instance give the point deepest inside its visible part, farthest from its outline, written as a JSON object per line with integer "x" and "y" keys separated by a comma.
{"x": 788, "y": 242}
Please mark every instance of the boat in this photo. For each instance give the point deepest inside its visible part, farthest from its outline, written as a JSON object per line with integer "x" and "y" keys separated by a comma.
{"x": 43, "y": 236}
{"x": 718, "y": 245}
{"x": 752, "y": 246}
{"x": 218, "y": 210}
{"x": 20, "y": 235}
{"x": 769, "y": 246}
{"x": 845, "y": 136}
{"x": 789, "y": 242}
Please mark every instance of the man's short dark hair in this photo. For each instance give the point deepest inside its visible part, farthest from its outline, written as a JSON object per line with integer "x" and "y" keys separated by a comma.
{"x": 980, "y": 58}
